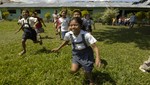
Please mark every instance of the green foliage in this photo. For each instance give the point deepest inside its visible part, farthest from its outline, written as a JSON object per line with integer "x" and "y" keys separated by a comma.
{"x": 108, "y": 14}
{"x": 97, "y": 17}
{"x": 148, "y": 17}
{"x": 5, "y": 13}
{"x": 140, "y": 15}
{"x": 84, "y": 12}
{"x": 129, "y": 14}
{"x": 47, "y": 16}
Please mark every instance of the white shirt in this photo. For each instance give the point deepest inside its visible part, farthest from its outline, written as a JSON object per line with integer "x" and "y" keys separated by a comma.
{"x": 88, "y": 38}
{"x": 54, "y": 17}
{"x": 64, "y": 24}
{"x": 32, "y": 21}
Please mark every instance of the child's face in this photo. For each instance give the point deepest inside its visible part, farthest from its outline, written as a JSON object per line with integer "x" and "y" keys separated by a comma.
{"x": 76, "y": 14}
{"x": 74, "y": 27}
{"x": 63, "y": 14}
{"x": 25, "y": 14}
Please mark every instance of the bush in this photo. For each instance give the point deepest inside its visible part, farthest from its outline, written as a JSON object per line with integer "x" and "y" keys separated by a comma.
{"x": 140, "y": 17}
{"x": 97, "y": 17}
{"x": 5, "y": 14}
{"x": 84, "y": 12}
{"x": 108, "y": 14}
{"x": 47, "y": 16}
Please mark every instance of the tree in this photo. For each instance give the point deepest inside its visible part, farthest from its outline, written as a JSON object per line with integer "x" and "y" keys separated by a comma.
{"x": 140, "y": 16}
{"x": 97, "y": 17}
{"x": 108, "y": 14}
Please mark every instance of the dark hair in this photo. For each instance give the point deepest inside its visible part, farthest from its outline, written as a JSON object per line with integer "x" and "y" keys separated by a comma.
{"x": 79, "y": 21}
{"x": 27, "y": 11}
{"x": 35, "y": 13}
{"x": 78, "y": 12}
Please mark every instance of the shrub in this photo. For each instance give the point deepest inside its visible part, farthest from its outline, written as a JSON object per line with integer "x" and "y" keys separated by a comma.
{"x": 108, "y": 14}
{"x": 5, "y": 14}
{"x": 47, "y": 16}
{"x": 97, "y": 17}
{"x": 140, "y": 15}
{"x": 84, "y": 12}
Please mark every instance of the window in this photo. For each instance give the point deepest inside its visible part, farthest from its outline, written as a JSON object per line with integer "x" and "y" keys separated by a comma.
{"x": 38, "y": 11}
{"x": 12, "y": 11}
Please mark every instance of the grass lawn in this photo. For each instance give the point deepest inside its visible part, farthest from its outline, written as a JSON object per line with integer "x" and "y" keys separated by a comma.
{"x": 122, "y": 51}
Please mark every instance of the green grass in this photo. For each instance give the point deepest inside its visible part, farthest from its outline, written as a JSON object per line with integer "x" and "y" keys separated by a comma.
{"x": 122, "y": 50}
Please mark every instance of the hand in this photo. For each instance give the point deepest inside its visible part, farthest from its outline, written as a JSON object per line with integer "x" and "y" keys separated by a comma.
{"x": 16, "y": 32}
{"x": 98, "y": 62}
{"x": 55, "y": 50}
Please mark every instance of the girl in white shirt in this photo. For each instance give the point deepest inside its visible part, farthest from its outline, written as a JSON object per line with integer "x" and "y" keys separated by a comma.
{"x": 64, "y": 23}
{"x": 83, "y": 45}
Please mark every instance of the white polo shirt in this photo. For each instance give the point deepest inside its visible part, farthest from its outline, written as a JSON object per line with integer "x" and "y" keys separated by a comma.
{"x": 32, "y": 21}
{"x": 88, "y": 38}
{"x": 64, "y": 24}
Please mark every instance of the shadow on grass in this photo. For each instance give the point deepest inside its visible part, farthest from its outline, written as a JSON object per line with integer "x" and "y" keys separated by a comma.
{"x": 43, "y": 50}
{"x": 101, "y": 78}
{"x": 46, "y": 37}
{"x": 140, "y": 36}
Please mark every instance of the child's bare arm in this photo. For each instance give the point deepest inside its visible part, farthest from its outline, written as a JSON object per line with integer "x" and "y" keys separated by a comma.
{"x": 96, "y": 50}
{"x": 18, "y": 29}
{"x": 62, "y": 45}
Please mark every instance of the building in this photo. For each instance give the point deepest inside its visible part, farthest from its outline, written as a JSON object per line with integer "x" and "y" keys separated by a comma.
{"x": 15, "y": 8}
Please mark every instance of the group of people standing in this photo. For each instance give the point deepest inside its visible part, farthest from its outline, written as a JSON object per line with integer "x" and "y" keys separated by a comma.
{"x": 127, "y": 21}
{"x": 76, "y": 30}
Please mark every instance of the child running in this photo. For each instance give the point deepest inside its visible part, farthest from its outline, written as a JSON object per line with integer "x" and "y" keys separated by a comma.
{"x": 83, "y": 45}
{"x": 39, "y": 26}
{"x": 64, "y": 20}
{"x": 28, "y": 23}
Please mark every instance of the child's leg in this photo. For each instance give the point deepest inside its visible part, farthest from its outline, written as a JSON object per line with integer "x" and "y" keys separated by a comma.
{"x": 23, "y": 46}
{"x": 74, "y": 68}
{"x": 88, "y": 76}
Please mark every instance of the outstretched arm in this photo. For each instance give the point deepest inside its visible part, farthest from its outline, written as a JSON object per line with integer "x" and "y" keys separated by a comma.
{"x": 96, "y": 50}
{"x": 62, "y": 45}
{"x": 43, "y": 22}
{"x": 19, "y": 29}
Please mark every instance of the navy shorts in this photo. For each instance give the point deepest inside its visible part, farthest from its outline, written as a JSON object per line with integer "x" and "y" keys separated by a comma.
{"x": 85, "y": 58}
{"x": 29, "y": 34}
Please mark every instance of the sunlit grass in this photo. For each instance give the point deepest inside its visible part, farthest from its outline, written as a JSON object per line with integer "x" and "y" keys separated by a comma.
{"x": 122, "y": 51}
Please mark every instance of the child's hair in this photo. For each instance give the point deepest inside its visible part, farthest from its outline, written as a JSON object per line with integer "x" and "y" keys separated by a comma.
{"x": 64, "y": 11}
{"x": 79, "y": 21}
{"x": 27, "y": 11}
{"x": 78, "y": 12}
{"x": 35, "y": 13}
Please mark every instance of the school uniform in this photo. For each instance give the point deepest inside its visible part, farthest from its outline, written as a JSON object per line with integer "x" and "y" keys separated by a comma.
{"x": 88, "y": 24}
{"x": 81, "y": 50}
{"x": 27, "y": 25}
{"x": 64, "y": 26}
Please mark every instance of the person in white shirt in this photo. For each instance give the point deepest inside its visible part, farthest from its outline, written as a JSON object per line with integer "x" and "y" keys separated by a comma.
{"x": 55, "y": 16}
{"x": 64, "y": 21}
{"x": 27, "y": 25}
{"x": 83, "y": 45}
